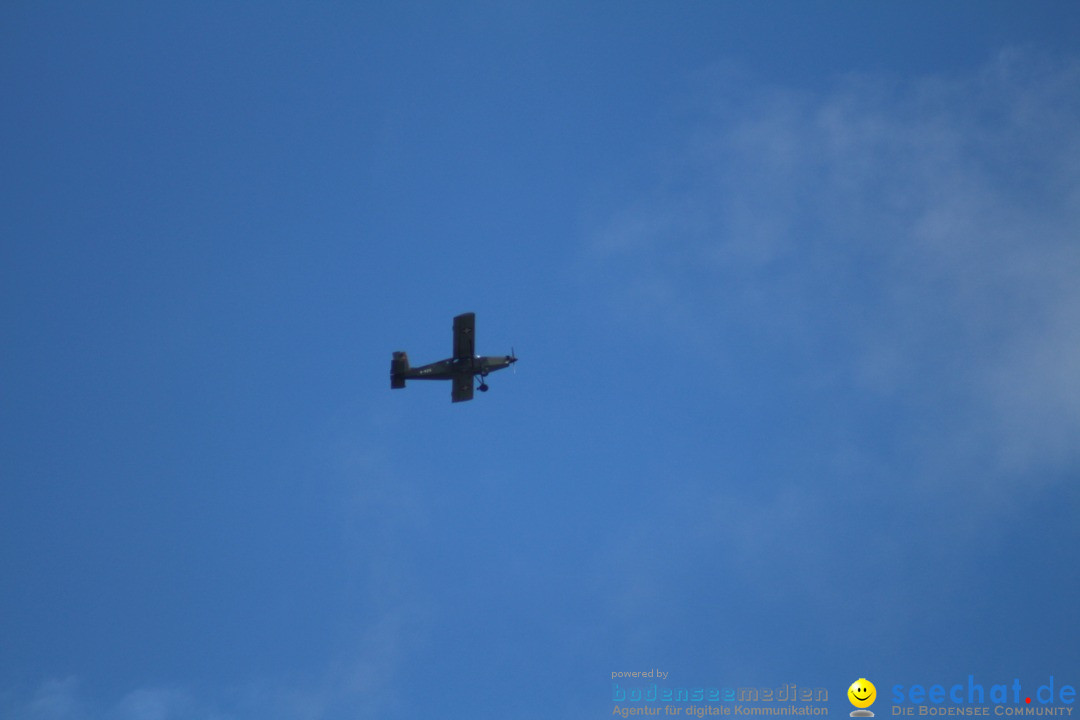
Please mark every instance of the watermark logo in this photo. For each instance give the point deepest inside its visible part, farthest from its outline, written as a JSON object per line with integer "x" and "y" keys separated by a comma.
{"x": 977, "y": 698}
{"x": 862, "y": 695}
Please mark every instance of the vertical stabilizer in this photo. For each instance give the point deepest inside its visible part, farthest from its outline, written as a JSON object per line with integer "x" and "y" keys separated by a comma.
{"x": 398, "y": 367}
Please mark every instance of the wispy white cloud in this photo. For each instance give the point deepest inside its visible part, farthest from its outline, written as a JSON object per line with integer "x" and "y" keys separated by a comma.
{"x": 916, "y": 242}
{"x": 902, "y": 255}
{"x": 67, "y": 699}
{"x": 160, "y": 703}
{"x": 361, "y": 679}
{"x": 54, "y": 699}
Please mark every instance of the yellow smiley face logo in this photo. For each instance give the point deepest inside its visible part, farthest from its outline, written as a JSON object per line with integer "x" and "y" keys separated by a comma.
{"x": 862, "y": 693}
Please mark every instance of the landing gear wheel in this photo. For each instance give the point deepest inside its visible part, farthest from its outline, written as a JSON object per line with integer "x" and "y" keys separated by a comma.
{"x": 483, "y": 387}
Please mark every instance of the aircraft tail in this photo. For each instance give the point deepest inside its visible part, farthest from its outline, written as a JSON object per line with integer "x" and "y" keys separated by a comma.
{"x": 398, "y": 367}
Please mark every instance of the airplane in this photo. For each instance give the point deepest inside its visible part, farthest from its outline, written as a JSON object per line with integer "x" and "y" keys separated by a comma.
{"x": 459, "y": 369}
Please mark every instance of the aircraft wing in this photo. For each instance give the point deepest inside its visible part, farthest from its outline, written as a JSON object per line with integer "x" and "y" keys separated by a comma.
{"x": 465, "y": 338}
{"x": 463, "y": 387}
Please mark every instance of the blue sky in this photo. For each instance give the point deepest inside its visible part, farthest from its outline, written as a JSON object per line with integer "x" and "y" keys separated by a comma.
{"x": 793, "y": 285}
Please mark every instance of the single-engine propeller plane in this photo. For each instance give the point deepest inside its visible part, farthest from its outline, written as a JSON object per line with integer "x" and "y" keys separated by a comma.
{"x": 460, "y": 369}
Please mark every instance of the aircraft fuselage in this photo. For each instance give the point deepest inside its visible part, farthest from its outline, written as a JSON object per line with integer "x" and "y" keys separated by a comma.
{"x": 453, "y": 367}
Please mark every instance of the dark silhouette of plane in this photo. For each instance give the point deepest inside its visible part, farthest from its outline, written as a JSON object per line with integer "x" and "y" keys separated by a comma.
{"x": 460, "y": 369}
